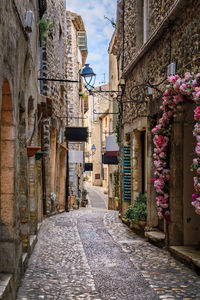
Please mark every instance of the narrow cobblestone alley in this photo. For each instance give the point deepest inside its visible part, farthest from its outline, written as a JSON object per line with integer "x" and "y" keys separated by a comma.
{"x": 90, "y": 254}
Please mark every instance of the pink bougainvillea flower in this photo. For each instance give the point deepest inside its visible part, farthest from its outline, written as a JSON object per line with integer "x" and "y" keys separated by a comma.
{"x": 188, "y": 76}
{"x": 173, "y": 96}
{"x": 196, "y": 129}
{"x": 195, "y": 161}
{"x": 162, "y": 155}
{"x": 196, "y": 94}
{"x": 161, "y": 141}
{"x": 178, "y": 98}
{"x": 183, "y": 88}
{"x": 177, "y": 85}
{"x": 197, "y": 149}
{"x": 194, "y": 196}
{"x": 197, "y": 113}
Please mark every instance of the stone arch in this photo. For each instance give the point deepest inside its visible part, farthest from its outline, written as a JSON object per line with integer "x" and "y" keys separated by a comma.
{"x": 7, "y": 159}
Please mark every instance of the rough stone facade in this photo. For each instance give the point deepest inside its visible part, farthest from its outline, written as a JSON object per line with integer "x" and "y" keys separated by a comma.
{"x": 172, "y": 36}
{"x": 54, "y": 65}
{"x": 76, "y": 59}
{"x": 98, "y": 124}
{"x": 61, "y": 59}
{"x": 19, "y": 60}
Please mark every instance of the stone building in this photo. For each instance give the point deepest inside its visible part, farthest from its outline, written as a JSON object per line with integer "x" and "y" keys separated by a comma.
{"x": 19, "y": 92}
{"x": 62, "y": 58}
{"x": 54, "y": 96}
{"x": 97, "y": 121}
{"x": 150, "y": 36}
{"x": 114, "y": 98}
{"x": 76, "y": 53}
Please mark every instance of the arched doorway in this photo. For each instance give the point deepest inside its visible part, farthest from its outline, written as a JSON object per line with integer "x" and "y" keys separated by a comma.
{"x": 7, "y": 158}
{"x": 7, "y": 180}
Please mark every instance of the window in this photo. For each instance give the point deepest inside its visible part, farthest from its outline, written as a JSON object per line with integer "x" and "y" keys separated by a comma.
{"x": 145, "y": 20}
{"x": 82, "y": 40}
{"x": 142, "y": 22}
{"x": 61, "y": 54}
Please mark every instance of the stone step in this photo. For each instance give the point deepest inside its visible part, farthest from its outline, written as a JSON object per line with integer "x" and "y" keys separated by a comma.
{"x": 156, "y": 237}
{"x": 189, "y": 255}
{"x": 6, "y": 286}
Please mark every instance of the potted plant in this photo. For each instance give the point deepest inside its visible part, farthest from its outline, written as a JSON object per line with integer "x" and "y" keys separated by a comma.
{"x": 135, "y": 215}
{"x": 32, "y": 150}
{"x": 84, "y": 195}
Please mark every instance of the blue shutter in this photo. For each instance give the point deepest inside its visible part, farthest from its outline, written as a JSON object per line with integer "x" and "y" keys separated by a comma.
{"x": 126, "y": 174}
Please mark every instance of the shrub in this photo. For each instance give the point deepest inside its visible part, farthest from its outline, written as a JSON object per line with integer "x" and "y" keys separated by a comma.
{"x": 84, "y": 192}
{"x": 138, "y": 211}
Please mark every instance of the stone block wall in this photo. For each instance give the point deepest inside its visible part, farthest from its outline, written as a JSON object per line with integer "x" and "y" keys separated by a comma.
{"x": 54, "y": 66}
{"x": 177, "y": 41}
{"x": 19, "y": 62}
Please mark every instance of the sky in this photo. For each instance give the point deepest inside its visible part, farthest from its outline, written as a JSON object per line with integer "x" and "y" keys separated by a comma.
{"x": 99, "y": 31}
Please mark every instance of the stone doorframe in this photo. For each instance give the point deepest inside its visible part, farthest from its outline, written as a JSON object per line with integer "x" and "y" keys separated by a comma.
{"x": 7, "y": 187}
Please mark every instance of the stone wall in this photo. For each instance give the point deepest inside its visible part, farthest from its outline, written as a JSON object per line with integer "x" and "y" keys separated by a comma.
{"x": 19, "y": 62}
{"x": 75, "y": 104}
{"x": 177, "y": 40}
{"x": 54, "y": 66}
{"x": 184, "y": 38}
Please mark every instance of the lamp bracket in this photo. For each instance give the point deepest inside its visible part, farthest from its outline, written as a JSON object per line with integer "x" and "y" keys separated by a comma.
{"x": 57, "y": 80}
{"x": 104, "y": 113}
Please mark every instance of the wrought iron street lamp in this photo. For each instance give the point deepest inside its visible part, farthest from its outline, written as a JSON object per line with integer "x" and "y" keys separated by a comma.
{"x": 89, "y": 77}
{"x": 93, "y": 150}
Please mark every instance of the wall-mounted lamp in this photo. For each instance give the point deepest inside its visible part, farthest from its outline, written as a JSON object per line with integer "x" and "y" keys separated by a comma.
{"x": 29, "y": 21}
{"x": 171, "y": 69}
{"x": 93, "y": 150}
{"x": 89, "y": 77}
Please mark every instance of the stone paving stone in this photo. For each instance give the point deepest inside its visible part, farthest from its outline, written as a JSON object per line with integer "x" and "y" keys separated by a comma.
{"x": 170, "y": 278}
{"x": 89, "y": 254}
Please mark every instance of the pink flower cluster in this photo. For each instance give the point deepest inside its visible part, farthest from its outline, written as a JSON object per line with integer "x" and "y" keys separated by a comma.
{"x": 175, "y": 94}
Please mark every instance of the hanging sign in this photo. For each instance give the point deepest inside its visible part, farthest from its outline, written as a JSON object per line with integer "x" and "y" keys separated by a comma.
{"x": 75, "y": 156}
{"x": 109, "y": 160}
{"x": 112, "y": 148}
{"x": 88, "y": 167}
{"x": 76, "y": 134}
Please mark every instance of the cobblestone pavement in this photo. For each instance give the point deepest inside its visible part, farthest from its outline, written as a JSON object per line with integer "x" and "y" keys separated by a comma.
{"x": 90, "y": 254}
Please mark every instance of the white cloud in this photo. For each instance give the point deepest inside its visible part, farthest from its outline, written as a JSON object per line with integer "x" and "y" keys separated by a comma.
{"x": 99, "y": 30}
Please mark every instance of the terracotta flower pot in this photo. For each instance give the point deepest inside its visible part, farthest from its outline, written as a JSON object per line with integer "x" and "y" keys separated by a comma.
{"x": 32, "y": 150}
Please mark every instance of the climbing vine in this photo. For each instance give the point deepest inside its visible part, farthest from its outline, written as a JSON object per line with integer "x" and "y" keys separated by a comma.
{"x": 178, "y": 91}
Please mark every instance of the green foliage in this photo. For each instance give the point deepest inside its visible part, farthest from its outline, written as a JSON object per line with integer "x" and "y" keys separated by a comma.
{"x": 116, "y": 183}
{"x": 138, "y": 211}
{"x": 78, "y": 201}
{"x": 81, "y": 94}
{"x": 45, "y": 26}
{"x": 84, "y": 192}
{"x": 193, "y": 167}
{"x": 113, "y": 23}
